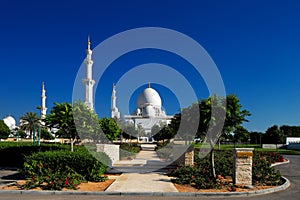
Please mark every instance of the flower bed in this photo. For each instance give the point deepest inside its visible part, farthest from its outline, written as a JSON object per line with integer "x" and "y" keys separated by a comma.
{"x": 199, "y": 176}
{"x": 63, "y": 169}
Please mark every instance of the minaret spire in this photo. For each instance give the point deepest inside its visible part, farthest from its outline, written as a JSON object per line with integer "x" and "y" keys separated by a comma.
{"x": 88, "y": 81}
{"x": 114, "y": 110}
{"x": 43, "y": 99}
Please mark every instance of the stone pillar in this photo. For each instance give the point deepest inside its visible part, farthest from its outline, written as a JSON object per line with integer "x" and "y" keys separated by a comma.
{"x": 112, "y": 150}
{"x": 242, "y": 171}
{"x": 189, "y": 157}
{"x": 186, "y": 157}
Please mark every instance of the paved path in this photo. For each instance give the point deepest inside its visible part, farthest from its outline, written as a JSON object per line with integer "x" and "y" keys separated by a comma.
{"x": 139, "y": 181}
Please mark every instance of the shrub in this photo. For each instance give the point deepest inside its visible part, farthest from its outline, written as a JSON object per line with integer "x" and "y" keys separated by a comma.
{"x": 62, "y": 169}
{"x": 199, "y": 175}
{"x": 13, "y": 154}
{"x": 127, "y": 150}
{"x": 262, "y": 172}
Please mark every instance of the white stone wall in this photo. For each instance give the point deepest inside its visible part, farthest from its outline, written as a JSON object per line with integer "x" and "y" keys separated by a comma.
{"x": 113, "y": 151}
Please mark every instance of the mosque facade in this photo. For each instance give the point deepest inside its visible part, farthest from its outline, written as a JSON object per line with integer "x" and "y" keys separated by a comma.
{"x": 149, "y": 110}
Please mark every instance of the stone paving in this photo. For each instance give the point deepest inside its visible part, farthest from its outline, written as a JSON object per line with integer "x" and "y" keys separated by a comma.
{"x": 139, "y": 180}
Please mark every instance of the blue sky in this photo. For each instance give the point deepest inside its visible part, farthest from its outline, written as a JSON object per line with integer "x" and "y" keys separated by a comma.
{"x": 255, "y": 45}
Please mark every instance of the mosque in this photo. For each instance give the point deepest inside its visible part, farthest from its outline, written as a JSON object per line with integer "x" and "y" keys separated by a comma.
{"x": 148, "y": 112}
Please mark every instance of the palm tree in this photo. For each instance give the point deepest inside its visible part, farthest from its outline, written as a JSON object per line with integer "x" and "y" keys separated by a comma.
{"x": 28, "y": 121}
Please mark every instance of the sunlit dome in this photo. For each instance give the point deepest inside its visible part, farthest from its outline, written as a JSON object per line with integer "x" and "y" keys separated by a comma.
{"x": 149, "y": 96}
{"x": 10, "y": 122}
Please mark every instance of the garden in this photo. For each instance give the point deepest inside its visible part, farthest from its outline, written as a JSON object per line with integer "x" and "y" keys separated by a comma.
{"x": 199, "y": 175}
{"x": 53, "y": 166}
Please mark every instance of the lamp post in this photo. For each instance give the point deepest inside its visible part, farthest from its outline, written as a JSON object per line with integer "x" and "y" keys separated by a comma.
{"x": 39, "y": 135}
{"x": 33, "y": 134}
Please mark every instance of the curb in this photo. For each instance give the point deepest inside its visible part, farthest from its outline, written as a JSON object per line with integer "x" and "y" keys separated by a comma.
{"x": 167, "y": 194}
{"x": 280, "y": 163}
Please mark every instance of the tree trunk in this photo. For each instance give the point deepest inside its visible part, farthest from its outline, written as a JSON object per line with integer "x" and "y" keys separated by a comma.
{"x": 212, "y": 161}
{"x": 71, "y": 144}
{"x": 219, "y": 145}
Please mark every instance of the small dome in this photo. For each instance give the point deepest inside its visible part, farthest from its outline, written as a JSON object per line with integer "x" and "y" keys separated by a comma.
{"x": 149, "y": 96}
{"x": 10, "y": 122}
{"x": 149, "y": 111}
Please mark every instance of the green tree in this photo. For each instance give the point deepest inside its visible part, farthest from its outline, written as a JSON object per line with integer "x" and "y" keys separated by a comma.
{"x": 128, "y": 131}
{"x": 4, "y": 130}
{"x": 110, "y": 128}
{"x": 208, "y": 117}
{"x": 29, "y": 121}
{"x": 86, "y": 121}
{"x": 61, "y": 118}
{"x": 45, "y": 134}
{"x": 256, "y": 137}
{"x": 162, "y": 133}
{"x": 241, "y": 134}
{"x": 274, "y": 135}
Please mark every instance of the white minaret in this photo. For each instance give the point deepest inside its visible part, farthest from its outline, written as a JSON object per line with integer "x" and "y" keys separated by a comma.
{"x": 88, "y": 81}
{"x": 43, "y": 98}
{"x": 114, "y": 110}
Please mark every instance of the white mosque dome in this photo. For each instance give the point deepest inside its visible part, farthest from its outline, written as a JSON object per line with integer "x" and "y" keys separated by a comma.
{"x": 149, "y": 96}
{"x": 10, "y": 122}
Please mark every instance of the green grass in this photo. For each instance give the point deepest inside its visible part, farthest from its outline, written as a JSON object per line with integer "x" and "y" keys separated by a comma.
{"x": 256, "y": 148}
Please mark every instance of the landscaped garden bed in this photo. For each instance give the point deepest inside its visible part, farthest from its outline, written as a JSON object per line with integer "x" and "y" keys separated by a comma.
{"x": 198, "y": 178}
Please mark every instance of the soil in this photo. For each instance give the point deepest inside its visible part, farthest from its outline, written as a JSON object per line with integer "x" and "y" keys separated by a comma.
{"x": 89, "y": 186}
{"x": 189, "y": 188}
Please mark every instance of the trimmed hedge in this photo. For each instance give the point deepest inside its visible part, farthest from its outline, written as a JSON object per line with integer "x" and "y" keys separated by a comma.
{"x": 63, "y": 169}
{"x": 13, "y": 154}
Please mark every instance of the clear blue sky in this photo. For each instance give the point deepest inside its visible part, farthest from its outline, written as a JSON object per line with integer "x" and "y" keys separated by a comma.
{"x": 254, "y": 43}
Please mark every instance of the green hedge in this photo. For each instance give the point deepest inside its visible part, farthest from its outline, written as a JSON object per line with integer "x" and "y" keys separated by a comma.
{"x": 12, "y": 154}
{"x": 63, "y": 169}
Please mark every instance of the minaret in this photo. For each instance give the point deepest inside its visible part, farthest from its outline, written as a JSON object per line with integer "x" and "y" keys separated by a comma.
{"x": 114, "y": 110}
{"x": 43, "y": 98}
{"x": 88, "y": 81}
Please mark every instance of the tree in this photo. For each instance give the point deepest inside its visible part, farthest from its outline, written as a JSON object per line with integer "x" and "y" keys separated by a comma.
{"x": 4, "y": 130}
{"x": 128, "y": 131}
{"x": 208, "y": 117}
{"x": 61, "y": 118}
{"x": 110, "y": 128}
{"x": 29, "y": 121}
{"x": 255, "y": 137}
{"x": 87, "y": 122}
{"x": 241, "y": 134}
{"x": 273, "y": 135}
{"x": 45, "y": 134}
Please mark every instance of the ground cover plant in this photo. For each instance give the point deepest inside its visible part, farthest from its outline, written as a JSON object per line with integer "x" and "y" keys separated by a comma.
{"x": 199, "y": 175}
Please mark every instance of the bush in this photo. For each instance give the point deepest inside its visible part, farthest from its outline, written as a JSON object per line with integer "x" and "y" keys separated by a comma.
{"x": 262, "y": 172}
{"x": 62, "y": 169}
{"x": 199, "y": 175}
{"x": 129, "y": 150}
{"x": 13, "y": 154}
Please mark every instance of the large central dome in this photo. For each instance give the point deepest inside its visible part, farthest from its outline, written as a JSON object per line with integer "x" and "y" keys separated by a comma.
{"x": 148, "y": 96}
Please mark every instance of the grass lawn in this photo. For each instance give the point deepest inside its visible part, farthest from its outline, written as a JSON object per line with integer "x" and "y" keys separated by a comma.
{"x": 256, "y": 148}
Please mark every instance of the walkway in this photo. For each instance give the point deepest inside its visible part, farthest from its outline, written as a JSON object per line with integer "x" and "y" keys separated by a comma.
{"x": 138, "y": 178}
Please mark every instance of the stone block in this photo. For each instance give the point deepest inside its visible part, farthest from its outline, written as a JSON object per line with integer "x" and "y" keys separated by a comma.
{"x": 113, "y": 151}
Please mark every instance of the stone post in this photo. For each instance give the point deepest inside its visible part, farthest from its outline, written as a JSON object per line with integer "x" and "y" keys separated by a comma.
{"x": 189, "y": 156}
{"x": 242, "y": 170}
{"x": 112, "y": 150}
